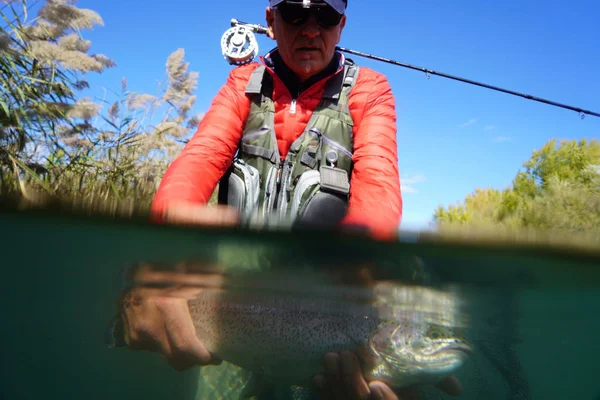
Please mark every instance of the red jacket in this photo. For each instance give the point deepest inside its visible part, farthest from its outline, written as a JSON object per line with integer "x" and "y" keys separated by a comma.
{"x": 375, "y": 199}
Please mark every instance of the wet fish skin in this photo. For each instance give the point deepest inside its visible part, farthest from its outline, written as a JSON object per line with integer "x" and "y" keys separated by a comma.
{"x": 280, "y": 337}
{"x": 284, "y": 338}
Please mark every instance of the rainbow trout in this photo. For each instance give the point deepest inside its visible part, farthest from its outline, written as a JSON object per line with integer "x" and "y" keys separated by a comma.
{"x": 277, "y": 326}
{"x": 283, "y": 338}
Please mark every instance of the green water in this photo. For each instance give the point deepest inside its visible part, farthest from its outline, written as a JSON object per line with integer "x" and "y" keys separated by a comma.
{"x": 61, "y": 277}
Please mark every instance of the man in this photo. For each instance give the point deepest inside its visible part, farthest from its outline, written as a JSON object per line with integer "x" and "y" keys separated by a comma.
{"x": 305, "y": 83}
{"x": 299, "y": 72}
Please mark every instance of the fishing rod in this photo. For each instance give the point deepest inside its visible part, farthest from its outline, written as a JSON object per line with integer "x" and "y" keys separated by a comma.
{"x": 239, "y": 47}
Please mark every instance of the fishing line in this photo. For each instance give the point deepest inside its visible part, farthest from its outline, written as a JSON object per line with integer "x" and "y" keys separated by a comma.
{"x": 239, "y": 47}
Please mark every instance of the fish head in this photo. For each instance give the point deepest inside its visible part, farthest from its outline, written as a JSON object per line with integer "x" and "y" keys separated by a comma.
{"x": 404, "y": 353}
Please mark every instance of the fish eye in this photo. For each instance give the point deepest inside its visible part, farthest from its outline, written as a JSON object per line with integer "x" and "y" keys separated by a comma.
{"x": 434, "y": 332}
{"x": 438, "y": 332}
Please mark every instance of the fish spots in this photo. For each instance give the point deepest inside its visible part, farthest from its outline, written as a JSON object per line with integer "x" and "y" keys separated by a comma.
{"x": 289, "y": 336}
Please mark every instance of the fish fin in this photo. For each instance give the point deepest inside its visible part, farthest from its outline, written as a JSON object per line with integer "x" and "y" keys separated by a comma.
{"x": 114, "y": 336}
{"x": 255, "y": 386}
{"x": 258, "y": 387}
{"x": 505, "y": 359}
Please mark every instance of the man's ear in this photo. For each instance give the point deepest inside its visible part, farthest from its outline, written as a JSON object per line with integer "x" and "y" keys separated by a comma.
{"x": 343, "y": 21}
{"x": 341, "y": 28}
{"x": 270, "y": 18}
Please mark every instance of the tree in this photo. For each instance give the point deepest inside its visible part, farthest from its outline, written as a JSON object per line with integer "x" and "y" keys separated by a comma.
{"x": 75, "y": 147}
{"x": 42, "y": 66}
{"x": 134, "y": 140}
{"x": 558, "y": 188}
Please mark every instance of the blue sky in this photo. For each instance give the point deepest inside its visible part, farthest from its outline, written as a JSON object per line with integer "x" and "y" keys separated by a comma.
{"x": 452, "y": 137}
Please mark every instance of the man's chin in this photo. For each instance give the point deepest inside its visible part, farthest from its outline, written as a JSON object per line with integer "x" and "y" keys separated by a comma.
{"x": 308, "y": 55}
{"x": 308, "y": 67}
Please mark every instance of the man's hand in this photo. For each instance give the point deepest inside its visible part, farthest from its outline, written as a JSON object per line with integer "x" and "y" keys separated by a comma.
{"x": 199, "y": 214}
{"x": 343, "y": 379}
{"x": 163, "y": 324}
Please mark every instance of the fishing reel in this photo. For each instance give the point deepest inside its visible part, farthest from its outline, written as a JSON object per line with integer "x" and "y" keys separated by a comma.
{"x": 238, "y": 43}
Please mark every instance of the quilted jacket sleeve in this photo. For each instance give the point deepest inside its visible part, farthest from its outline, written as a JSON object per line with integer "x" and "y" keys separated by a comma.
{"x": 375, "y": 197}
{"x": 194, "y": 174}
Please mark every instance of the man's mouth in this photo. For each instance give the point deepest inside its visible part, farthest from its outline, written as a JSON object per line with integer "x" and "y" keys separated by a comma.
{"x": 307, "y": 49}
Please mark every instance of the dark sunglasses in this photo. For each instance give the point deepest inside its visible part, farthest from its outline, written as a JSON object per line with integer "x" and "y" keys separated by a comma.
{"x": 296, "y": 14}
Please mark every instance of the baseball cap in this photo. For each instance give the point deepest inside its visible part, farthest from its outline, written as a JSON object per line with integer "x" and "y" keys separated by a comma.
{"x": 337, "y": 5}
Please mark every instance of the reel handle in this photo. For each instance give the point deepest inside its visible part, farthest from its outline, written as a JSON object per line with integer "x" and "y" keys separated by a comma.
{"x": 256, "y": 28}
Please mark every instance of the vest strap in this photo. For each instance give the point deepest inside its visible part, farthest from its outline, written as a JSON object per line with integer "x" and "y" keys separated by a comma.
{"x": 262, "y": 152}
{"x": 254, "y": 85}
{"x": 308, "y": 160}
{"x": 335, "y": 85}
{"x": 350, "y": 78}
{"x": 332, "y": 90}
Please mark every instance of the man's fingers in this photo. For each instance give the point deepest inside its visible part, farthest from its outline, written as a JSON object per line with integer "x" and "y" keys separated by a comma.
{"x": 163, "y": 324}
{"x": 450, "y": 386}
{"x": 343, "y": 379}
{"x": 186, "y": 349}
{"x": 141, "y": 326}
{"x": 333, "y": 376}
{"x": 185, "y": 213}
{"x": 381, "y": 391}
{"x": 320, "y": 384}
{"x": 352, "y": 376}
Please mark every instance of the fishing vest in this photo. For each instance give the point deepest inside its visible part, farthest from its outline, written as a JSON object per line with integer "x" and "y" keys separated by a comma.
{"x": 313, "y": 181}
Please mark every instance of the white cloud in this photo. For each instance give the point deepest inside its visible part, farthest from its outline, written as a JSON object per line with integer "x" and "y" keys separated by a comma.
{"x": 502, "y": 139}
{"x": 468, "y": 123}
{"x": 490, "y": 128}
{"x": 408, "y": 189}
{"x": 407, "y": 184}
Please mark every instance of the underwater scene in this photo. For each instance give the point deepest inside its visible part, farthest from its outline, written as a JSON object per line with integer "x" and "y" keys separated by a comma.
{"x": 508, "y": 321}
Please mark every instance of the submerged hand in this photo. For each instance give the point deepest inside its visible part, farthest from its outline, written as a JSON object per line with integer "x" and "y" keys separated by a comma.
{"x": 163, "y": 324}
{"x": 343, "y": 379}
{"x": 157, "y": 322}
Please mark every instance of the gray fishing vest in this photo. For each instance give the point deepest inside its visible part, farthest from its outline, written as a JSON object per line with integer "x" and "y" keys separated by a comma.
{"x": 312, "y": 183}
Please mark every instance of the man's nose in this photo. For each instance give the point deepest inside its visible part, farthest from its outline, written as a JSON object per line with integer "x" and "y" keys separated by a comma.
{"x": 311, "y": 27}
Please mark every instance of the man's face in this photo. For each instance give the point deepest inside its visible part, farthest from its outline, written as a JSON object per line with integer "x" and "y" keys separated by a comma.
{"x": 306, "y": 47}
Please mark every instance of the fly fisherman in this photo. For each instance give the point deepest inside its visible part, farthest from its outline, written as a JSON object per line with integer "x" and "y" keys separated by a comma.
{"x": 315, "y": 137}
{"x": 304, "y": 83}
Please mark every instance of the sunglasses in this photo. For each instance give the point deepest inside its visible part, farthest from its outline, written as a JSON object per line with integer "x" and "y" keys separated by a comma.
{"x": 296, "y": 14}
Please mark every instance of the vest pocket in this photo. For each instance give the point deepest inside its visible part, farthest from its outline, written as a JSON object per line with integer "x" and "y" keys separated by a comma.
{"x": 242, "y": 189}
{"x": 256, "y": 144}
{"x": 322, "y": 210}
{"x": 251, "y": 135}
{"x": 307, "y": 184}
{"x": 270, "y": 192}
{"x": 326, "y": 145}
{"x": 312, "y": 206}
{"x": 336, "y": 146}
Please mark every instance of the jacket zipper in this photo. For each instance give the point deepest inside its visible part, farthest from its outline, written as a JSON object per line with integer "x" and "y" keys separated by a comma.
{"x": 293, "y": 105}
